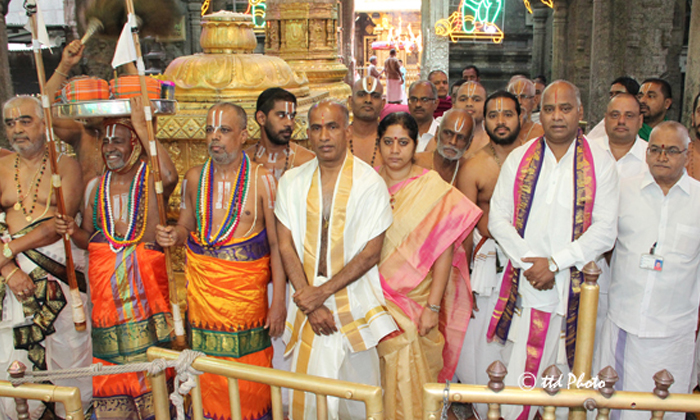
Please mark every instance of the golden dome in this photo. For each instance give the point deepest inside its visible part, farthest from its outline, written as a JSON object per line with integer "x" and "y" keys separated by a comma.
{"x": 227, "y": 70}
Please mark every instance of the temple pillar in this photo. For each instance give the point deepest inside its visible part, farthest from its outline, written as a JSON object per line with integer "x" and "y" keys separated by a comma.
{"x": 539, "y": 31}
{"x": 194, "y": 15}
{"x": 436, "y": 51}
{"x": 559, "y": 40}
{"x": 604, "y": 68}
{"x": 347, "y": 35}
{"x": 303, "y": 33}
{"x": 692, "y": 67}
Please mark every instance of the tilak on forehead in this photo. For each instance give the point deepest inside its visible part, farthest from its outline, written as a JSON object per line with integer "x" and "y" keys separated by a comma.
{"x": 14, "y": 113}
{"x": 645, "y": 88}
{"x": 365, "y": 84}
{"x": 522, "y": 85}
{"x": 459, "y": 123}
{"x": 217, "y": 124}
{"x": 499, "y": 105}
{"x": 290, "y": 110}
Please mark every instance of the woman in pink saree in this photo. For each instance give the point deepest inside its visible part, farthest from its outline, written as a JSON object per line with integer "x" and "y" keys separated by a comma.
{"x": 424, "y": 272}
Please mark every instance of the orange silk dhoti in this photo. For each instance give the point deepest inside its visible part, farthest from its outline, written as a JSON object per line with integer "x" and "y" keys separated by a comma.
{"x": 130, "y": 313}
{"x": 227, "y": 308}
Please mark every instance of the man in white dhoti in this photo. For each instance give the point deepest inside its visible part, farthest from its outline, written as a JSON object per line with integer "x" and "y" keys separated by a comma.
{"x": 477, "y": 181}
{"x": 655, "y": 292}
{"x": 36, "y": 326}
{"x": 549, "y": 236}
{"x": 332, "y": 213}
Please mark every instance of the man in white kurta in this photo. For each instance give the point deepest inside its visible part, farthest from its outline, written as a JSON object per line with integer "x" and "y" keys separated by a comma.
{"x": 655, "y": 294}
{"x": 337, "y": 314}
{"x": 623, "y": 119}
{"x": 546, "y": 251}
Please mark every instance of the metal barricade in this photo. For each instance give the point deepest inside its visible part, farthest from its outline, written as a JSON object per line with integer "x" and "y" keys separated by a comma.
{"x": 68, "y": 396}
{"x": 277, "y": 379}
{"x": 581, "y": 397}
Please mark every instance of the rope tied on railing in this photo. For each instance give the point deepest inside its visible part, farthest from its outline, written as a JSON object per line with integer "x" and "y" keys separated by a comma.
{"x": 184, "y": 378}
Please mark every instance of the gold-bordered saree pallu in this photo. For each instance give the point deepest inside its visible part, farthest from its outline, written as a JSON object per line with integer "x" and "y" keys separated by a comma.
{"x": 130, "y": 313}
{"x": 523, "y": 193}
{"x": 429, "y": 217}
{"x": 227, "y": 308}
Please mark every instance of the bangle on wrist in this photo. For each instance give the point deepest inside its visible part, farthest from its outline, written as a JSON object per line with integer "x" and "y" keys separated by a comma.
{"x": 434, "y": 308}
{"x": 12, "y": 273}
{"x": 61, "y": 73}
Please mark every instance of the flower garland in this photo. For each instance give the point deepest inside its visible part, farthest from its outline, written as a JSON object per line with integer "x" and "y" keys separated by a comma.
{"x": 205, "y": 199}
{"x": 103, "y": 216}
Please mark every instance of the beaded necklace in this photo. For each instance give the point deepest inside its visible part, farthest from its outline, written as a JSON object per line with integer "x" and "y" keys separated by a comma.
{"x": 137, "y": 205}
{"x": 38, "y": 175}
{"x": 374, "y": 153}
{"x": 205, "y": 201}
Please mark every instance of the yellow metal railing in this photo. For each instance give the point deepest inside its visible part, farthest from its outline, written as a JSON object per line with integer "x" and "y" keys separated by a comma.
{"x": 68, "y": 396}
{"x": 586, "y": 394}
{"x": 277, "y": 379}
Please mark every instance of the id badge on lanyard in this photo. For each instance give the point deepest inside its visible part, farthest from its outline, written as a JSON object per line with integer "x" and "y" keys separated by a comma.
{"x": 651, "y": 261}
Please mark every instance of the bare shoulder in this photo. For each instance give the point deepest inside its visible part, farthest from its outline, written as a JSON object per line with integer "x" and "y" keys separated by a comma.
{"x": 424, "y": 159}
{"x": 303, "y": 155}
{"x": 192, "y": 174}
{"x": 67, "y": 163}
{"x": 250, "y": 151}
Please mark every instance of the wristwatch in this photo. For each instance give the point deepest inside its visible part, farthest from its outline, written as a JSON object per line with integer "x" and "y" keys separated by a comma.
{"x": 553, "y": 267}
{"x": 7, "y": 251}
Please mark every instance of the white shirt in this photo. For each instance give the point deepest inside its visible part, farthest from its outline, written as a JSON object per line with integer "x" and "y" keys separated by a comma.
{"x": 631, "y": 164}
{"x": 651, "y": 303}
{"x": 424, "y": 139}
{"x": 598, "y": 131}
{"x": 549, "y": 227}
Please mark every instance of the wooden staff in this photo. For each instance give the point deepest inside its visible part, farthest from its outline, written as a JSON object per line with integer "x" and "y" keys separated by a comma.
{"x": 75, "y": 299}
{"x": 180, "y": 340}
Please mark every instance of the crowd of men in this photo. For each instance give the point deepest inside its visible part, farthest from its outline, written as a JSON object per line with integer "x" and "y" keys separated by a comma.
{"x": 310, "y": 227}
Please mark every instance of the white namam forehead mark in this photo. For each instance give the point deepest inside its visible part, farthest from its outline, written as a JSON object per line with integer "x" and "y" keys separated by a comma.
{"x": 459, "y": 124}
{"x": 646, "y": 87}
{"x": 111, "y": 132}
{"x": 499, "y": 105}
{"x": 290, "y": 110}
{"x": 365, "y": 84}
{"x": 471, "y": 89}
{"x": 217, "y": 124}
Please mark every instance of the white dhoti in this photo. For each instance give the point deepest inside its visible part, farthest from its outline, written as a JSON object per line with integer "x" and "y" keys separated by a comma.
{"x": 516, "y": 356}
{"x": 66, "y": 348}
{"x": 477, "y": 354}
{"x": 637, "y": 359}
{"x": 393, "y": 90}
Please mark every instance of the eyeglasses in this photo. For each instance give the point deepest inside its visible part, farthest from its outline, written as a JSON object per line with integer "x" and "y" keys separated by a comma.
{"x": 671, "y": 152}
{"x": 423, "y": 100}
{"x": 524, "y": 97}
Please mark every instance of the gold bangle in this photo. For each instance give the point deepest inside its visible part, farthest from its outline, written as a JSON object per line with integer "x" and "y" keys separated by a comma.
{"x": 61, "y": 73}
{"x": 12, "y": 273}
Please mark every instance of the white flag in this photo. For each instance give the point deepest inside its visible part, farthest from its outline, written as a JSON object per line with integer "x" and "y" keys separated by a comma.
{"x": 126, "y": 50}
{"x": 42, "y": 34}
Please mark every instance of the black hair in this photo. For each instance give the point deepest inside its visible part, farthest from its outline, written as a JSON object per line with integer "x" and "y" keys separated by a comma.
{"x": 266, "y": 100}
{"x": 404, "y": 119}
{"x": 629, "y": 83}
{"x": 472, "y": 66}
{"x": 665, "y": 86}
{"x": 503, "y": 94}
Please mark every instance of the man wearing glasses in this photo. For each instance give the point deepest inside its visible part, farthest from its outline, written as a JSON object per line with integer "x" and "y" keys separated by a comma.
{"x": 422, "y": 103}
{"x": 654, "y": 294}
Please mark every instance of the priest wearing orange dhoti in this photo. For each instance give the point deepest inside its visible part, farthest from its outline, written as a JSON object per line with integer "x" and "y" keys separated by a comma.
{"x": 127, "y": 275}
{"x": 227, "y": 223}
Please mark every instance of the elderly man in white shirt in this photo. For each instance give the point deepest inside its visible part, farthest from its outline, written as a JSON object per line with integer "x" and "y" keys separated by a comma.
{"x": 623, "y": 119}
{"x": 654, "y": 294}
{"x": 548, "y": 237}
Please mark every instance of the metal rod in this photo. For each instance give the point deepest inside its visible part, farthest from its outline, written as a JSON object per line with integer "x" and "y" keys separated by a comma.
{"x": 152, "y": 149}
{"x": 160, "y": 395}
{"x": 321, "y": 407}
{"x": 494, "y": 412}
{"x": 75, "y": 299}
{"x": 549, "y": 412}
{"x": 234, "y": 397}
{"x": 197, "y": 406}
{"x": 370, "y": 395}
{"x": 68, "y": 396}
{"x": 624, "y": 400}
{"x": 277, "y": 408}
